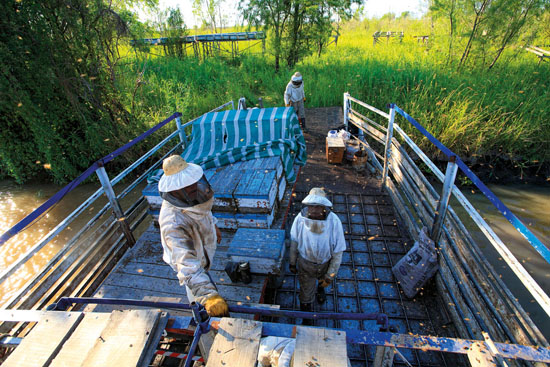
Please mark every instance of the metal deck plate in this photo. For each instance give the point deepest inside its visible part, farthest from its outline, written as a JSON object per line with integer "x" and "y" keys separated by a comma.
{"x": 365, "y": 282}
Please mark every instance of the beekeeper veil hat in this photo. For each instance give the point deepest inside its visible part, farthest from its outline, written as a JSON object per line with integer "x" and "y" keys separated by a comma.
{"x": 317, "y": 196}
{"x": 178, "y": 174}
{"x": 297, "y": 77}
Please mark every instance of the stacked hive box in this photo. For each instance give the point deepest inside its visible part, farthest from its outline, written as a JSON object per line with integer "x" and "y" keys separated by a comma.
{"x": 246, "y": 194}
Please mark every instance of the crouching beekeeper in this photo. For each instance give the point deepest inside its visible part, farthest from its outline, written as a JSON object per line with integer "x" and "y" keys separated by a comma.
{"x": 317, "y": 245}
{"x": 188, "y": 231}
{"x": 295, "y": 97}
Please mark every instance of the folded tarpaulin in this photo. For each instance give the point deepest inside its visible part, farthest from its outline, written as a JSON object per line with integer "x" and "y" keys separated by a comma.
{"x": 225, "y": 137}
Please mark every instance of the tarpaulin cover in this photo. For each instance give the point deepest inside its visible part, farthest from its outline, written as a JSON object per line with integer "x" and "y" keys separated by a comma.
{"x": 225, "y": 137}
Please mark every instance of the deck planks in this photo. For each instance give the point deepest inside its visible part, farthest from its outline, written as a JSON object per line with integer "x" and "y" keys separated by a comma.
{"x": 82, "y": 340}
{"x": 44, "y": 341}
{"x": 122, "y": 343}
{"x": 236, "y": 344}
{"x": 142, "y": 274}
{"x": 320, "y": 347}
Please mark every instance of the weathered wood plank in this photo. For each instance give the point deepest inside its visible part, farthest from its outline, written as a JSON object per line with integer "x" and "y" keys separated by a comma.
{"x": 320, "y": 347}
{"x": 44, "y": 341}
{"x": 229, "y": 292}
{"x": 219, "y": 277}
{"x": 122, "y": 341}
{"x": 29, "y": 315}
{"x": 152, "y": 344}
{"x": 236, "y": 344}
{"x": 82, "y": 340}
{"x": 107, "y": 291}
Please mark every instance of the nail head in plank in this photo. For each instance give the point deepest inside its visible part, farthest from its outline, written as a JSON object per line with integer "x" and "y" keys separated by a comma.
{"x": 82, "y": 340}
{"x": 320, "y": 347}
{"x": 236, "y": 344}
{"x": 44, "y": 341}
{"x": 123, "y": 340}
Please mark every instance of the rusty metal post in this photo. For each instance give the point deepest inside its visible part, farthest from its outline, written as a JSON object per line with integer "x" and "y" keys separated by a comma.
{"x": 387, "y": 153}
{"x": 450, "y": 176}
{"x": 117, "y": 209}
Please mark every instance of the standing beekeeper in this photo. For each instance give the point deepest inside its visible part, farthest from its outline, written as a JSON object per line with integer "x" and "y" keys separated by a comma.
{"x": 188, "y": 231}
{"x": 316, "y": 248}
{"x": 295, "y": 97}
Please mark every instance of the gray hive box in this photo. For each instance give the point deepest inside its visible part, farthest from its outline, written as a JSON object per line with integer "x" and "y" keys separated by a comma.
{"x": 262, "y": 248}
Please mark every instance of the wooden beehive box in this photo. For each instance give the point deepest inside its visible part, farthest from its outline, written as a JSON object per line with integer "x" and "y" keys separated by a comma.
{"x": 264, "y": 249}
{"x": 224, "y": 183}
{"x": 256, "y": 191}
{"x": 335, "y": 148}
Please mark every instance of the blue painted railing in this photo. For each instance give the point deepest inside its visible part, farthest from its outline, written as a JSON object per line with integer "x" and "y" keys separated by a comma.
{"x": 106, "y": 189}
{"x": 23, "y": 223}
{"x": 507, "y": 213}
{"x": 473, "y": 285}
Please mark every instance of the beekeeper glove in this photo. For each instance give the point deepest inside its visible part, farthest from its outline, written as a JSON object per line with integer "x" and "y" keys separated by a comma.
{"x": 216, "y": 306}
{"x": 287, "y": 105}
{"x": 325, "y": 282}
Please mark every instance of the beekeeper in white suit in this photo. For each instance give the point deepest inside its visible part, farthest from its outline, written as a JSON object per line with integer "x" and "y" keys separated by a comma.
{"x": 188, "y": 231}
{"x": 317, "y": 245}
{"x": 295, "y": 97}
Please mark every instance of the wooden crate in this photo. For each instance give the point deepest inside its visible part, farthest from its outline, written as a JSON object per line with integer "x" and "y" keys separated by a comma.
{"x": 335, "y": 148}
{"x": 264, "y": 249}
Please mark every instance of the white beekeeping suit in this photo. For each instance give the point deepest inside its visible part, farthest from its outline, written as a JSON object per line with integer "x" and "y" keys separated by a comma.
{"x": 295, "y": 96}
{"x": 188, "y": 231}
{"x": 317, "y": 245}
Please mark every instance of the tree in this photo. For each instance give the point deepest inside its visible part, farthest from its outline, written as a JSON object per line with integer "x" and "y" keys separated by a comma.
{"x": 491, "y": 25}
{"x": 271, "y": 15}
{"x": 59, "y": 107}
{"x": 517, "y": 14}
{"x": 209, "y": 12}
{"x": 298, "y": 27}
{"x": 173, "y": 28}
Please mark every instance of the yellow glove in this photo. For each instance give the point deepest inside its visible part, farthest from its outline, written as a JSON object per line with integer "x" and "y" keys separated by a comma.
{"x": 325, "y": 282}
{"x": 287, "y": 105}
{"x": 304, "y": 99}
{"x": 216, "y": 306}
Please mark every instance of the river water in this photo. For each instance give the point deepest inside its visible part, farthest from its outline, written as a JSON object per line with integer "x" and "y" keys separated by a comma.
{"x": 530, "y": 203}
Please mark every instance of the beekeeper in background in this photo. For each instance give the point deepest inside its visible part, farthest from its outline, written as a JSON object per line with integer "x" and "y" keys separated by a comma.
{"x": 188, "y": 231}
{"x": 316, "y": 248}
{"x": 295, "y": 97}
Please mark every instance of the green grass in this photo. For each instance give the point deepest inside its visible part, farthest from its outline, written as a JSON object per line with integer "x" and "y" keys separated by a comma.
{"x": 499, "y": 113}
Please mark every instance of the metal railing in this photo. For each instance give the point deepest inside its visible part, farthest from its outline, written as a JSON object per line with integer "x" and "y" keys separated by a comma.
{"x": 481, "y": 301}
{"x": 115, "y": 229}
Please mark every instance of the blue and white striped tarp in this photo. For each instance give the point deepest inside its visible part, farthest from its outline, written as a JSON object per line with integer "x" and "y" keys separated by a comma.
{"x": 226, "y": 137}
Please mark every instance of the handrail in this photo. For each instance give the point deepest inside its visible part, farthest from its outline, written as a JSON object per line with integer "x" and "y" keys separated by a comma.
{"x": 520, "y": 227}
{"x": 22, "y": 224}
{"x": 35, "y": 215}
{"x": 531, "y": 285}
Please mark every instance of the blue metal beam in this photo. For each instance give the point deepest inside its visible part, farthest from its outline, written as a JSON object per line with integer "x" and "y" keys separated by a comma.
{"x": 419, "y": 342}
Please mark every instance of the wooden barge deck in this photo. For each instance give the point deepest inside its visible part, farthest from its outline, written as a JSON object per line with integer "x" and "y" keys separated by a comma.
{"x": 376, "y": 239}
